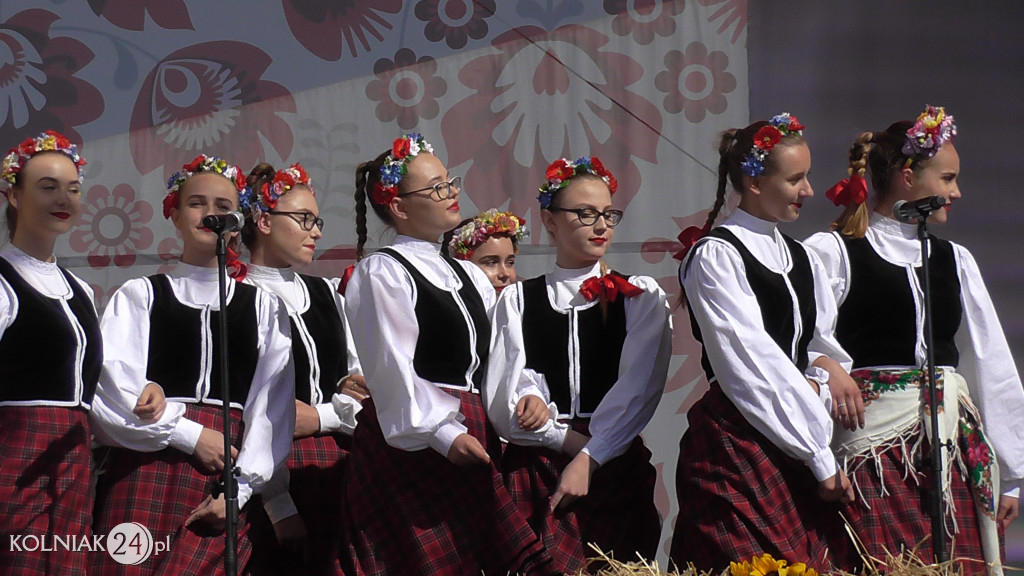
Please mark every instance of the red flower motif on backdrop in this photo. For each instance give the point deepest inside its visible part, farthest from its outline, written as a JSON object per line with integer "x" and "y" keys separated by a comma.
{"x": 647, "y": 18}
{"x": 457, "y": 20}
{"x": 331, "y": 263}
{"x": 695, "y": 82}
{"x": 169, "y": 250}
{"x": 38, "y": 87}
{"x": 325, "y": 27}
{"x": 131, "y": 14}
{"x": 113, "y": 227}
{"x": 567, "y": 115}
{"x": 209, "y": 98}
{"x": 102, "y": 295}
{"x": 731, "y": 12}
{"x": 406, "y": 88}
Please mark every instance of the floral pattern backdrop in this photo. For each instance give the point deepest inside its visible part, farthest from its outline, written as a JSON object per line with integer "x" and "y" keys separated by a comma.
{"x": 500, "y": 89}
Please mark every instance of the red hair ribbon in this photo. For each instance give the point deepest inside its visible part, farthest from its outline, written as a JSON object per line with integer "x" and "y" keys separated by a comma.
{"x": 688, "y": 237}
{"x": 236, "y": 269}
{"x": 609, "y": 286}
{"x": 852, "y": 190}
{"x": 345, "y": 277}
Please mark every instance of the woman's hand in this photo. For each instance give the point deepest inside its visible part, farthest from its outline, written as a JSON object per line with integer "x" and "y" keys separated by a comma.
{"x": 532, "y": 412}
{"x": 212, "y": 511}
{"x": 307, "y": 420}
{"x": 151, "y": 404}
{"x": 1008, "y": 509}
{"x": 210, "y": 450}
{"x": 354, "y": 386}
{"x": 466, "y": 450}
{"x": 574, "y": 482}
{"x": 847, "y": 403}
{"x": 292, "y": 535}
{"x": 836, "y": 487}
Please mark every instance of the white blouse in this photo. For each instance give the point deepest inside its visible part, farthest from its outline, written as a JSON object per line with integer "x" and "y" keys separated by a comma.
{"x": 46, "y": 279}
{"x": 338, "y": 415}
{"x": 755, "y": 374}
{"x": 269, "y": 409}
{"x": 631, "y": 401}
{"x": 380, "y": 303}
{"x": 985, "y": 359}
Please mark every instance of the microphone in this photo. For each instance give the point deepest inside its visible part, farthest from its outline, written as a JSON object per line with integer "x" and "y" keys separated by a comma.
{"x": 916, "y": 210}
{"x": 220, "y": 223}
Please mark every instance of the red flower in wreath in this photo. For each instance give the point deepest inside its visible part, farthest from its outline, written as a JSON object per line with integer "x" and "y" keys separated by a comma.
{"x": 767, "y": 137}
{"x": 38, "y": 87}
{"x": 211, "y": 98}
{"x": 559, "y": 170}
{"x": 400, "y": 149}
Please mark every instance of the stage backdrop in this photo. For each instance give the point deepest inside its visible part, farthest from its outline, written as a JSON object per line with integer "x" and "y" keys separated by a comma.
{"x": 500, "y": 88}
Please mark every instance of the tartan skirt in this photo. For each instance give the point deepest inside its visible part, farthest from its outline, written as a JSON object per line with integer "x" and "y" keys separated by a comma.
{"x": 740, "y": 496}
{"x": 45, "y": 468}
{"x": 618, "y": 513}
{"x": 417, "y": 513}
{"x": 319, "y": 471}
{"x": 901, "y": 519}
{"x": 160, "y": 490}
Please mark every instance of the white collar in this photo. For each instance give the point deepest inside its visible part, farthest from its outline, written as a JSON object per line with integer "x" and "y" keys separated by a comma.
{"x": 193, "y": 272}
{"x": 17, "y": 256}
{"x": 891, "y": 227}
{"x": 269, "y": 274}
{"x": 417, "y": 245}
{"x": 750, "y": 222}
{"x": 560, "y": 274}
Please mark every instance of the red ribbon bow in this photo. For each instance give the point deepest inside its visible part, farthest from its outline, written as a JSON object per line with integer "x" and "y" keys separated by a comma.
{"x": 688, "y": 237}
{"x": 236, "y": 269}
{"x": 852, "y": 190}
{"x": 609, "y": 286}
{"x": 345, "y": 277}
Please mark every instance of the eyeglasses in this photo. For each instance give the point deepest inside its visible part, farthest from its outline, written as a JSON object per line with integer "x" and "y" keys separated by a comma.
{"x": 588, "y": 216}
{"x": 441, "y": 190}
{"x": 304, "y": 219}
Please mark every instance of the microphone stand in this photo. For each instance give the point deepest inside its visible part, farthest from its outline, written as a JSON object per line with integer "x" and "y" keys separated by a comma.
{"x": 935, "y": 496}
{"x": 228, "y": 485}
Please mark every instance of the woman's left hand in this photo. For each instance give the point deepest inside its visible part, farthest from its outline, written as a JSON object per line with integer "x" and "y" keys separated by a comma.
{"x": 1008, "y": 509}
{"x": 151, "y": 403}
{"x": 211, "y": 511}
{"x": 574, "y": 482}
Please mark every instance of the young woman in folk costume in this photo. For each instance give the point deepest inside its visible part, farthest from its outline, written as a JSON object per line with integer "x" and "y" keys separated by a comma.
{"x": 164, "y": 329}
{"x": 874, "y": 264}
{"x": 303, "y": 503}
{"x": 426, "y": 496}
{"x": 755, "y": 472}
{"x": 491, "y": 241}
{"x": 51, "y": 353}
{"x": 578, "y": 366}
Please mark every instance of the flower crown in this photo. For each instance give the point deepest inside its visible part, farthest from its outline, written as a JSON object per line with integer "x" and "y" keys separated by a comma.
{"x": 562, "y": 170}
{"x": 283, "y": 181}
{"x": 198, "y": 165}
{"x": 395, "y": 165}
{"x": 933, "y": 129}
{"x": 490, "y": 223}
{"x": 766, "y": 138}
{"x": 49, "y": 140}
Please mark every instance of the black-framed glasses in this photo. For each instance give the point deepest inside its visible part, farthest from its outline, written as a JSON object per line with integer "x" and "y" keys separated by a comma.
{"x": 588, "y": 216}
{"x": 441, "y": 190}
{"x": 304, "y": 219}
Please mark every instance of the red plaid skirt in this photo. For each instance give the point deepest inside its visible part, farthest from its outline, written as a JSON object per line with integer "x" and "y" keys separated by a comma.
{"x": 618, "y": 514}
{"x": 160, "y": 490}
{"x": 740, "y": 496}
{"x": 417, "y": 513}
{"x": 319, "y": 471}
{"x": 44, "y": 488}
{"x": 901, "y": 520}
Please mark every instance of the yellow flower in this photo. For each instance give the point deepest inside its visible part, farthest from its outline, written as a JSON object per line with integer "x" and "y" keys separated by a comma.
{"x": 798, "y": 569}
{"x": 48, "y": 143}
{"x": 766, "y": 565}
{"x": 737, "y": 569}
